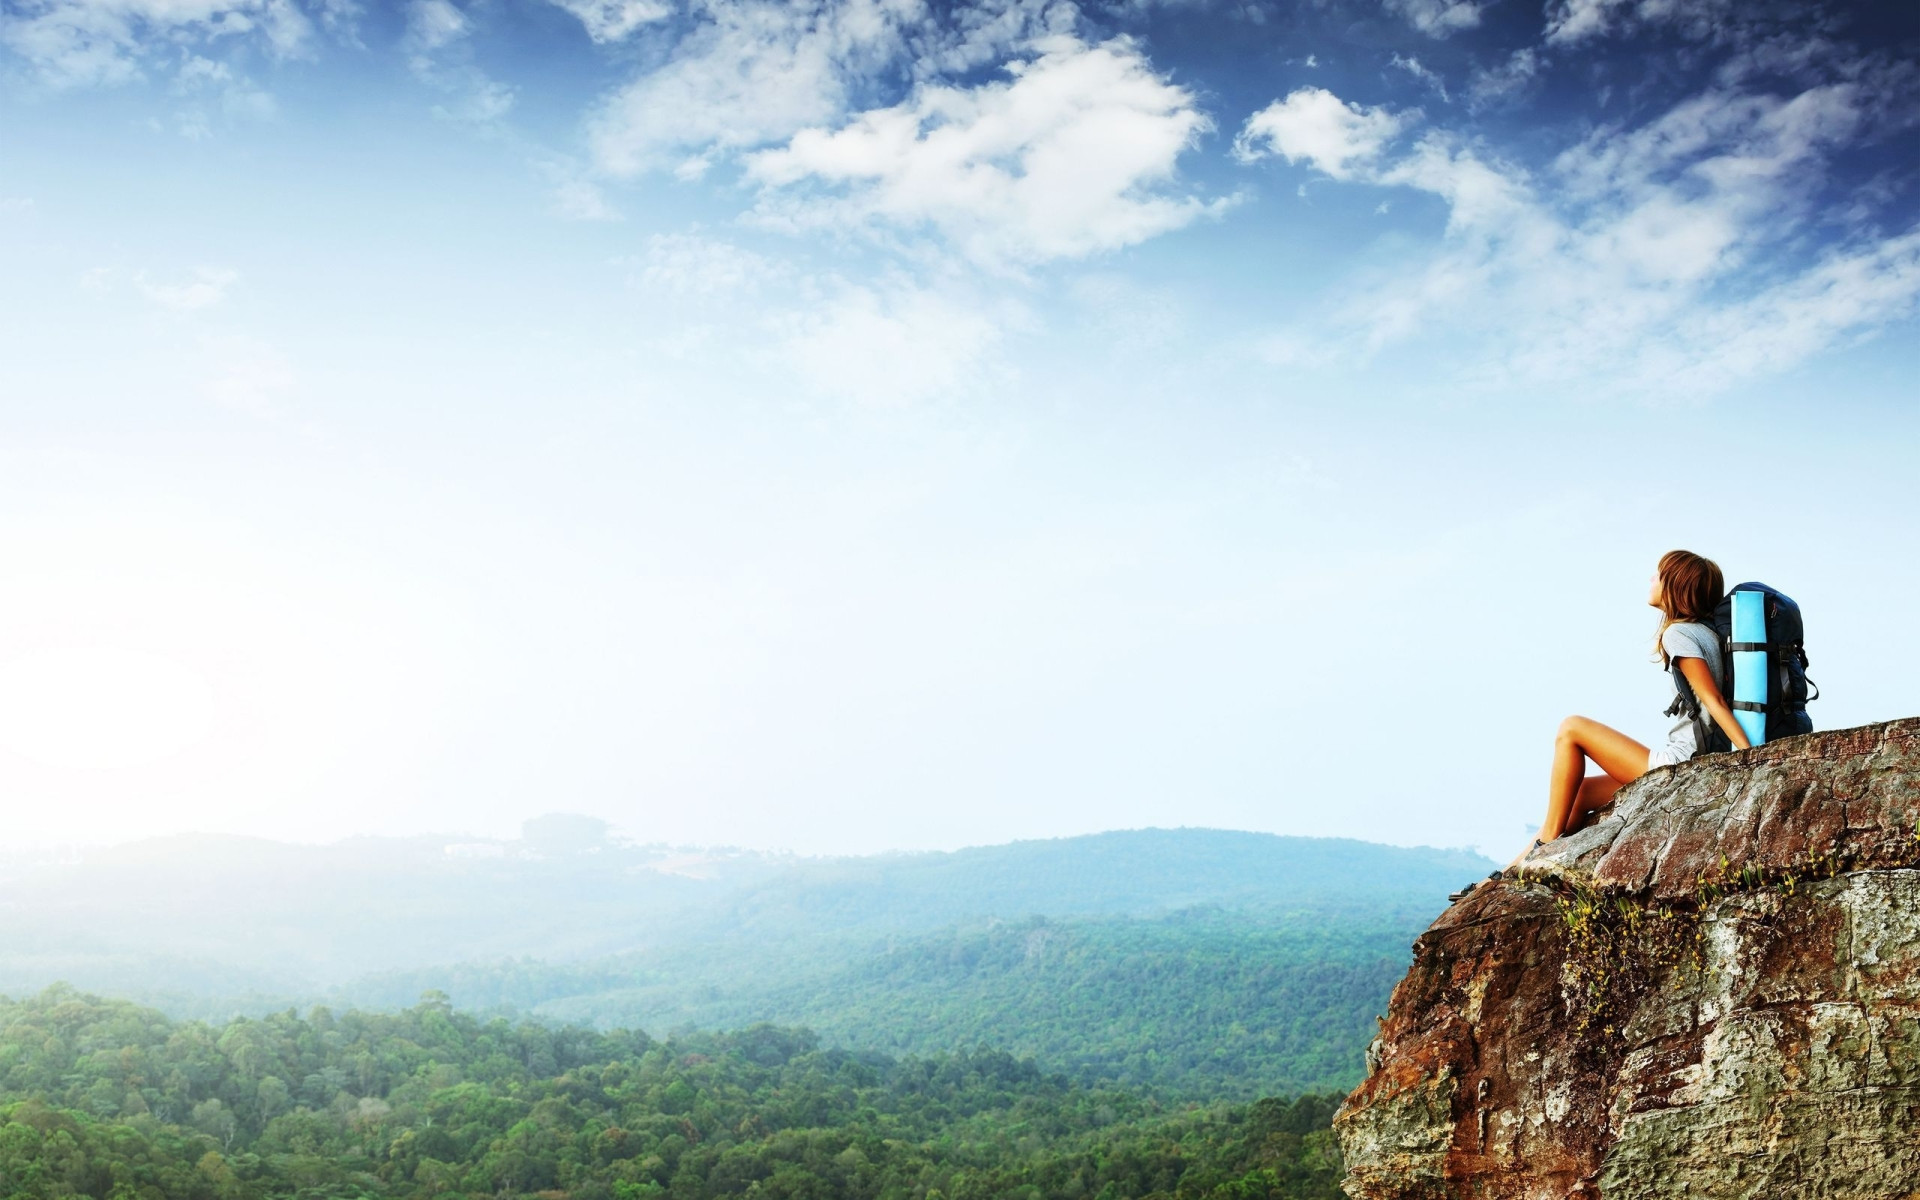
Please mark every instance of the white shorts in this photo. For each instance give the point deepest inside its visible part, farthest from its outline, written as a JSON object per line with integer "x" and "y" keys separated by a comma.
{"x": 1667, "y": 755}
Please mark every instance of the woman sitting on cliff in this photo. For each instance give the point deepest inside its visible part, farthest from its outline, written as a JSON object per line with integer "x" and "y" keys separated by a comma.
{"x": 1686, "y": 588}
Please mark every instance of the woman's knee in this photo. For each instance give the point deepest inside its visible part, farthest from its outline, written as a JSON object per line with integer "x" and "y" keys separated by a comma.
{"x": 1572, "y": 730}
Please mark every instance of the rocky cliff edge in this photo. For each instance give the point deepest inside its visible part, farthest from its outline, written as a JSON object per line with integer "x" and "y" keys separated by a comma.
{"x": 1712, "y": 992}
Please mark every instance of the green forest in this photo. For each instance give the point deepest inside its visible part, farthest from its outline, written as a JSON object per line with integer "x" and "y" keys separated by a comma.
{"x": 107, "y": 1099}
{"x": 1157, "y": 1013}
{"x": 1202, "y": 1004}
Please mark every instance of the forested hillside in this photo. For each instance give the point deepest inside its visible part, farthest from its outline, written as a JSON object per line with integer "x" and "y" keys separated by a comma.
{"x": 107, "y": 1100}
{"x": 1197, "y": 963}
{"x": 1206, "y": 1003}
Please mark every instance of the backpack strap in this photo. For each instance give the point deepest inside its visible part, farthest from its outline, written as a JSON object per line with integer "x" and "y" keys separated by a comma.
{"x": 1713, "y": 739}
{"x": 1685, "y": 703}
{"x": 1790, "y": 649}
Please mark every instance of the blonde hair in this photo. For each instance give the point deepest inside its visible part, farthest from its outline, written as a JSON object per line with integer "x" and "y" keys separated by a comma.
{"x": 1691, "y": 587}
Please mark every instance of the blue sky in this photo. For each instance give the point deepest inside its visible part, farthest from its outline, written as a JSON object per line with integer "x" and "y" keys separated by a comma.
{"x": 874, "y": 424}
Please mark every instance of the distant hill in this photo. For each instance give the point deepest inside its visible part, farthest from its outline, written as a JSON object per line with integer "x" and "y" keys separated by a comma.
{"x": 1125, "y": 873}
{"x": 314, "y": 916}
{"x": 1195, "y": 961}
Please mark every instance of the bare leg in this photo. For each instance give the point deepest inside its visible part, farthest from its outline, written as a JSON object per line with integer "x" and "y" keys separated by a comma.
{"x": 1596, "y": 792}
{"x": 1580, "y": 739}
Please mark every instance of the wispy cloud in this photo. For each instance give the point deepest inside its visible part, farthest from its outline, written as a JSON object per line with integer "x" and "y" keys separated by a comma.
{"x": 1659, "y": 256}
{"x": 582, "y": 200}
{"x": 434, "y": 25}
{"x": 613, "y": 20}
{"x": 75, "y": 43}
{"x": 1513, "y": 77}
{"x": 236, "y": 98}
{"x": 438, "y": 51}
{"x": 1437, "y": 18}
{"x": 1420, "y": 71}
{"x": 1573, "y": 21}
{"x": 694, "y": 264}
{"x": 894, "y": 346}
{"x": 207, "y": 287}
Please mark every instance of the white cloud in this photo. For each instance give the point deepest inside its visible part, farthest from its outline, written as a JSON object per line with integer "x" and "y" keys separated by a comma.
{"x": 752, "y": 73}
{"x": 749, "y": 74}
{"x": 1576, "y": 20}
{"x": 73, "y": 43}
{"x": 208, "y": 287}
{"x": 1074, "y": 155}
{"x": 1315, "y": 126}
{"x": 1481, "y": 197}
{"x": 1437, "y": 18}
{"x": 1653, "y": 258}
{"x": 613, "y": 20}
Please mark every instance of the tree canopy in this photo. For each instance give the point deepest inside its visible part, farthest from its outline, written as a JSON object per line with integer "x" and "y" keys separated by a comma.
{"x": 107, "y": 1099}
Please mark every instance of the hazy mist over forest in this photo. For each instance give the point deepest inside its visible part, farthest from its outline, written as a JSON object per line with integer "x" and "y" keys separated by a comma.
{"x": 1270, "y": 955}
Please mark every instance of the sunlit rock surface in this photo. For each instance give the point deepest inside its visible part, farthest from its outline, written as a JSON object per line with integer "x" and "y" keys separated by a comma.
{"x": 1713, "y": 992}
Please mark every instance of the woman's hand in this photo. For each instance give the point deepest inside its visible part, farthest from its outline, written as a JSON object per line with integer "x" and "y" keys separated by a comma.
{"x": 1707, "y": 692}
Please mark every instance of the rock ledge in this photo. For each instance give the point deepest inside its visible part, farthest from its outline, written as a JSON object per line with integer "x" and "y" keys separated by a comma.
{"x": 1713, "y": 992}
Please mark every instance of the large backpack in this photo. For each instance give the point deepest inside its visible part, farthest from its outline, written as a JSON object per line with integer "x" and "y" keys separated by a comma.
{"x": 1787, "y": 681}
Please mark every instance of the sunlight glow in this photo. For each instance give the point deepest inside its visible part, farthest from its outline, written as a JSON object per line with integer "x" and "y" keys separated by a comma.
{"x": 101, "y": 707}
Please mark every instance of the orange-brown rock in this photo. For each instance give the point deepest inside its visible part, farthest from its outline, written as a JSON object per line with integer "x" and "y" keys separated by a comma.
{"x": 1713, "y": 992}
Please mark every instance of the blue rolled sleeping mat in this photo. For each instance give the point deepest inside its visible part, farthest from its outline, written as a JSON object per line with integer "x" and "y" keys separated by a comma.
{"x": 1750, "y": 666}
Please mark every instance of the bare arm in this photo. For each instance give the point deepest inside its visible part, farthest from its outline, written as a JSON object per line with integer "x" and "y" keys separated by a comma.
{"x": 1707, "y": 692}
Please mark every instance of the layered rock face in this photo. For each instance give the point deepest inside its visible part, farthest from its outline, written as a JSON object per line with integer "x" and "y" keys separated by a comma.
{"x": 1713, "y": 992}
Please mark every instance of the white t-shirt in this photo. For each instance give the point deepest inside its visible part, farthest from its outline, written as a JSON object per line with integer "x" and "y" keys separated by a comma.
{"x": 1688, "y": 639}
